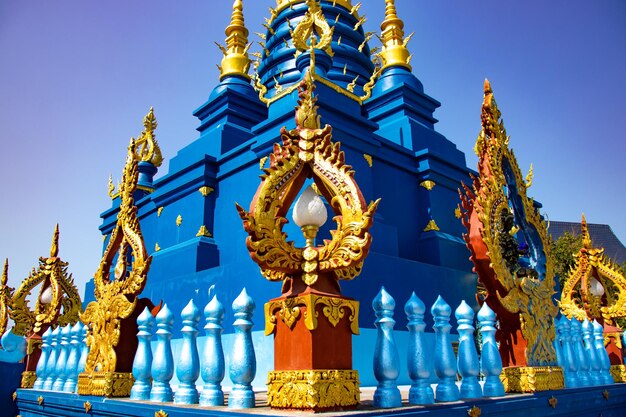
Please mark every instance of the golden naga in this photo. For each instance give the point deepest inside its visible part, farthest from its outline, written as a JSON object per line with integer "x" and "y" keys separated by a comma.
{"x": 510, "y": 247}
{"x": 6, "y": 295}
{"x": 595, "y": 288}
{"x": 146, "y": 146}
{"x": 106, "y": 372}
{"x": 57, "y": 290}
{"x": 306, "y": 152}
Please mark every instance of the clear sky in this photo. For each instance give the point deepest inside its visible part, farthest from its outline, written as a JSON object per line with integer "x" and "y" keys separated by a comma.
{"x": 77, "y": 77}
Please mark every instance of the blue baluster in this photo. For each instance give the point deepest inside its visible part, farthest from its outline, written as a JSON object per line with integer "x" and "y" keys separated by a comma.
{"x": 386, "y": 358}
{"x": 71, "y": 369}
{"x": 59, "y": 372}
{"x": 213, "y": 355}
{"x": 188, "y": 366}
{"x": 163, "y": 361}
{"x": 445, "y": 362}
{"x": 598, "y": 332}
{"x": 51, "y": 365}
{"x": 490, "y": 359}
{"x": 41, "y": 370}
{"x": 419, "y": 363}
{"x": 243, "y": 361}
{"x": 579, "y": 351}
{"x": 142, "y": 364}
{"x": 558, "y": 336}
{"x": 591, "y": 353}
{"x": 84, "y": 350}
{"x": 570, "y": 362}
{"x": 467, "y": 362}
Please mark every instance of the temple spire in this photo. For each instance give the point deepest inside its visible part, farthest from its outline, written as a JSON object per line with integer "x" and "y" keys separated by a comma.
{"x": 395, "y": 52}
{"x": 236, "y": 60}
{"x": 54, "y": 249}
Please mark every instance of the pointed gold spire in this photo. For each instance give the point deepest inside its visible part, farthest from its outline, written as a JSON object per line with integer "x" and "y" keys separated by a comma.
{"x": 586, "y": 238}
{"x": 236, "y": 60}
{"x": 5, "y": 272}
{"x": 394, "y": 51}
{"x": 147, "y": 147}
{"x": 54, "y": 249}
{"x": 306, "y": 112}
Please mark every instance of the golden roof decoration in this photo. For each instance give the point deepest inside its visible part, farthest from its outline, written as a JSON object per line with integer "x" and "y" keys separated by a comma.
{"x": 6, "y": 294}
{"x": 116, "y": 296}
{"x": 147, "y": 148}
{"x": 593, "y": 271}
{"x": 395, "y": 52}
{"x": 283, "y": 4}
{"x": 236, "y": 60}
{"x": 57, "y": 291}
{"x": 313, "y": 31}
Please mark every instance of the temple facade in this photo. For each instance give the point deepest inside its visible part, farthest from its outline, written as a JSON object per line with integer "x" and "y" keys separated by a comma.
{"x": 385, "y": 122}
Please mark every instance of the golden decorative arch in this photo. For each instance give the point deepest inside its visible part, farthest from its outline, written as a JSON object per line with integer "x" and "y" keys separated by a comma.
{"x": 496, "y": 212}
{"x": 576, "y": 297}
{"x": 116, "y": 298}
{"x": 313, "y": 23}
{"x": 52, "y": 275}
{"x": 308, "y": 152}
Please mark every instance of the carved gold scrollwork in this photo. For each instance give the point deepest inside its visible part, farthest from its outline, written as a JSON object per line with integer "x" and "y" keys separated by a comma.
{"x": 576, "y": 297}
{"x": 59, "y": 289}
{"x": 116, "y": 298}
{"x": 308, "y": 151}
{"x": 292, "y": 308}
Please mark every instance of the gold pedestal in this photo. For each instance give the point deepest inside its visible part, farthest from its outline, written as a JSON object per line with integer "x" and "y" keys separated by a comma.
{"x": 618, "y": 372}
{"x": 320, "y": 389}
{"x": 28, "y": 379}
{"x": 106, "y": 384}
{"x": 532, "y": 378}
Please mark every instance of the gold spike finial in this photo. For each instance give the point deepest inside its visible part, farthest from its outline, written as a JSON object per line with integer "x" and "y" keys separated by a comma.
{"x": 394, "y": 51}
{"x": 147, "y": 147}
{"x": 5, "y": 272}
{"x": 306, "y": 112}
{"x": 236, "y": 60}
{"x": 54, "y": 249}
{"x": 586, "y": 237}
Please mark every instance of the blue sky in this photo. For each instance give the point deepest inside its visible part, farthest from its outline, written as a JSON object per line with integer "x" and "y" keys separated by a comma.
{"x": 77, "y": 77}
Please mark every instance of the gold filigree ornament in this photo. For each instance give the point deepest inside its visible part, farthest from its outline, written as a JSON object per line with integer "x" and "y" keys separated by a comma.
{"x": 308, "y": 152}
{"x": 57, "y": 291}
{"x": 594, "y": 268}
{"x": 6, "y": 296}
{"x": 115, "y": 298}
{"x": 313, "y": 23}
{"x": 501, "y": 190}
{"x": 146, "y": 145}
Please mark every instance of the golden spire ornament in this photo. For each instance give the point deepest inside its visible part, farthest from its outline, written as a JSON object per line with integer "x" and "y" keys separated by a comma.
{"x": 236, "y": 60}
{"x": 6, "y": 293}
{"x": 147, "y": 148}
{"x": 395, "y": 52}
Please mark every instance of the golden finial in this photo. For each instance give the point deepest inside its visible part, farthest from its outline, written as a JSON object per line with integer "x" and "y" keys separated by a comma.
{"x": 306, "y": 112}
{"x": 111, "y": 187}
{"x": 586, "y": 237}
{"x": 54, "y": 249}
{"x": 394, "y": 51}
{"x": 236, "y": 61}
{"x": 146, "y": 146}
{"x": 5, "y": 272}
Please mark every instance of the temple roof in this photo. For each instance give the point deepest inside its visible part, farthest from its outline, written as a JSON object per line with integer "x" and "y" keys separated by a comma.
{"x": 601, "y": 234}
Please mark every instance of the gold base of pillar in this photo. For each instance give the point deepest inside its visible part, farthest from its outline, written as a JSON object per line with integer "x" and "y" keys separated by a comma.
{"x": 618, "y": 372}
{"x": 105, "y": 384}
{"x": 532, "y": 378}
{"x": 28, "y": 379}
{"x": 320, "y": 389}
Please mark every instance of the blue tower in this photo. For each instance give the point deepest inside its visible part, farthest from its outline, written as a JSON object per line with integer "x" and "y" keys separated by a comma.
{"x": 385, "y": 122}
